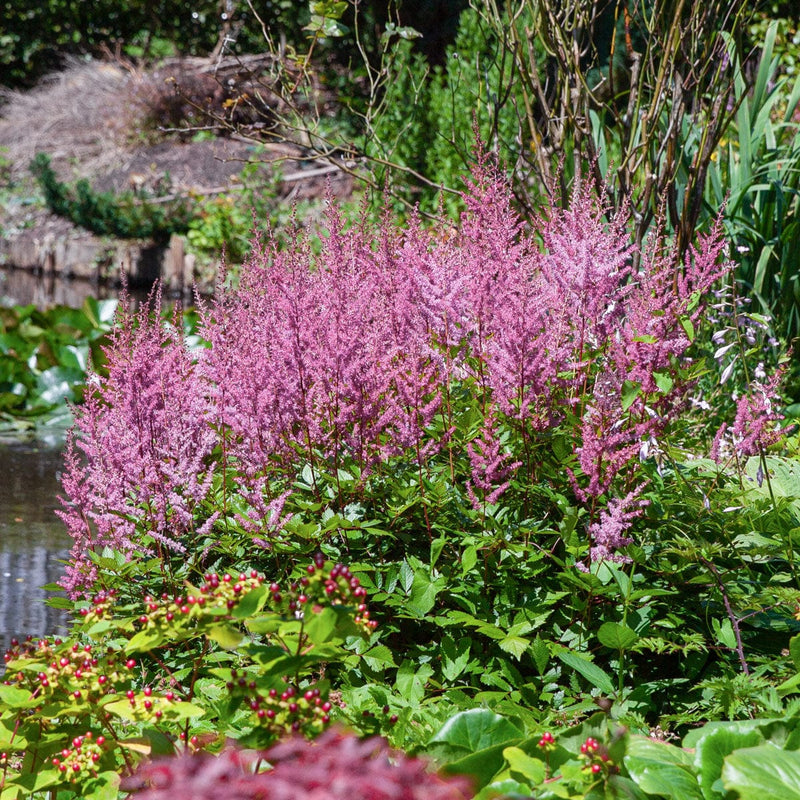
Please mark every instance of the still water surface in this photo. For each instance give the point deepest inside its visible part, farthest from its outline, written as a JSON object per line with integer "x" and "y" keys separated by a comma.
{"x": 33, "y": 541}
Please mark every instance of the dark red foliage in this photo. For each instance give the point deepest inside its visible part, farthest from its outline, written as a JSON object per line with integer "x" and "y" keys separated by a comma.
{"x": 337, "y": 766}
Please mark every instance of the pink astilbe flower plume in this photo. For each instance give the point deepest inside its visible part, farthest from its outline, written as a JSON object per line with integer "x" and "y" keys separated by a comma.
{"x": 349, "y": 355}
{"x": 609, "y": 533}
{"x": 146, "y": 442}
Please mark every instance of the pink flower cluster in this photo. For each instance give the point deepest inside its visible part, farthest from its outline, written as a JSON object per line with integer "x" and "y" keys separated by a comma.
{"x": 348, "y": 357}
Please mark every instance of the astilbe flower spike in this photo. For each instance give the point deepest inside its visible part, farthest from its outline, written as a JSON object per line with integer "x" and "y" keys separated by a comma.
{"x": 336, "y": 766}
{"x": 608, "y": 534}
{"x": 146, "y": 440}
{"x": 345, "y": 357}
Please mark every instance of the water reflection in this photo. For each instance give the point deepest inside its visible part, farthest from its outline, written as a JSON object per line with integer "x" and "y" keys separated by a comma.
{"x": 33, "y": 541}
{"x": 23, "y": 287}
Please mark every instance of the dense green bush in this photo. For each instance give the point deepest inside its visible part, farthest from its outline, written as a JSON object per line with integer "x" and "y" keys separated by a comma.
{"x": 125, "y": 215}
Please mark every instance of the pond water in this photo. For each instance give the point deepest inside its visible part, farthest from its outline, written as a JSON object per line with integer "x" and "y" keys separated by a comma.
{"x": 33, "y": 540}
{"x": 22, "y": 286}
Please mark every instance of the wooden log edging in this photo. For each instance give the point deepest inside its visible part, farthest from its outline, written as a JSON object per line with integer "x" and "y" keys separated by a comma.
{"x": 87, "y": 257}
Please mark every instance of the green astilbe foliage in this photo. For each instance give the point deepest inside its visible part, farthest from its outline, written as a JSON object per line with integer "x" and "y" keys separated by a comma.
{"x": 123, "y": 215}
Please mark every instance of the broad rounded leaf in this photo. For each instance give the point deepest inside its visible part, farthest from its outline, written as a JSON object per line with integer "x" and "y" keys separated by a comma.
{"x": 616, "y": 636}
{"x": 476, "y": 729}
{"x": 759, "y": 773}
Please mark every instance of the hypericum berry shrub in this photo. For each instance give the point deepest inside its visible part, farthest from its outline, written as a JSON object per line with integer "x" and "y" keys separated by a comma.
{"x": 494, "y": 426}
{"x": 236, "y": 657}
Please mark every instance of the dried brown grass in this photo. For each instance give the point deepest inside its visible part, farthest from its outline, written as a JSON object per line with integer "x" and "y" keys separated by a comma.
{"x": 75, "y": 116}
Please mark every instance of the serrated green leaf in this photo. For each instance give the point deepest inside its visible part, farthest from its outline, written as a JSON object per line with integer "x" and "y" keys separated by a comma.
{"x": 515, "y": 645}
{"x": 540, "y": 651}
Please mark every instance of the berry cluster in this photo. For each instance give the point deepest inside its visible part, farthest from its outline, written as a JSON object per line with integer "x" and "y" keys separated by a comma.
{"x": 287, "y": 710}
{"x": 218, "y": 591}
{"x": 81, "y": 759}
{"x": 597, "y": 760}
{"x": 323, "y": 585}
{"x": 147, "y": 706}
{"x": 547, "y": 742}
{"x": 100, "y": 606}
{"x": 52, "y": 668}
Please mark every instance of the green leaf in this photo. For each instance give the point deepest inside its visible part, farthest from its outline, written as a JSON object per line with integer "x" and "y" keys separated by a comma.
{"x": 410, "y": 682}
{"x": 524, "y": 766}
{"x": 250, "y": 603}
{"x": 12, "y": 697}
{"x": 758, "y": 773}
{"x": 423, "y": 592}
{"x": 630, "y": 391}
{"x": 710, "y": 754}
{"x": 455, "y": 657}
{"x": 590, "y": 671}
{"x": 225, "y": 636}
{"x": 540, "y": 651}
{"x": 437, "y": 545}
{"x": 476, "y": 729}
{"x": 378, "y": 658}
{"x": 663, "y": 381}
{"x": 468, "y": 559}
{"x": 616, "y": 636}
{"x": 662, "y": 769}
{"x": 794, "y": 650}
{"x": 515, "y": 645}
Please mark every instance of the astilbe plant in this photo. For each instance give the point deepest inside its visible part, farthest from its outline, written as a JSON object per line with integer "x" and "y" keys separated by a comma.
{"x": 337, "y": 766}
{"x": 351, "y": 357}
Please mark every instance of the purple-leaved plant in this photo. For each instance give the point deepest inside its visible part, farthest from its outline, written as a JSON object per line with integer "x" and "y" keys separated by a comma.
{"x": 337, "y": 766}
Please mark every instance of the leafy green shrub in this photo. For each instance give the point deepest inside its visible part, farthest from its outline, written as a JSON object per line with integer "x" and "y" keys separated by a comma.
{"x": 496, "y": 434}
{"x": 124, "y": 215}
{"x": 228, "y": 658}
